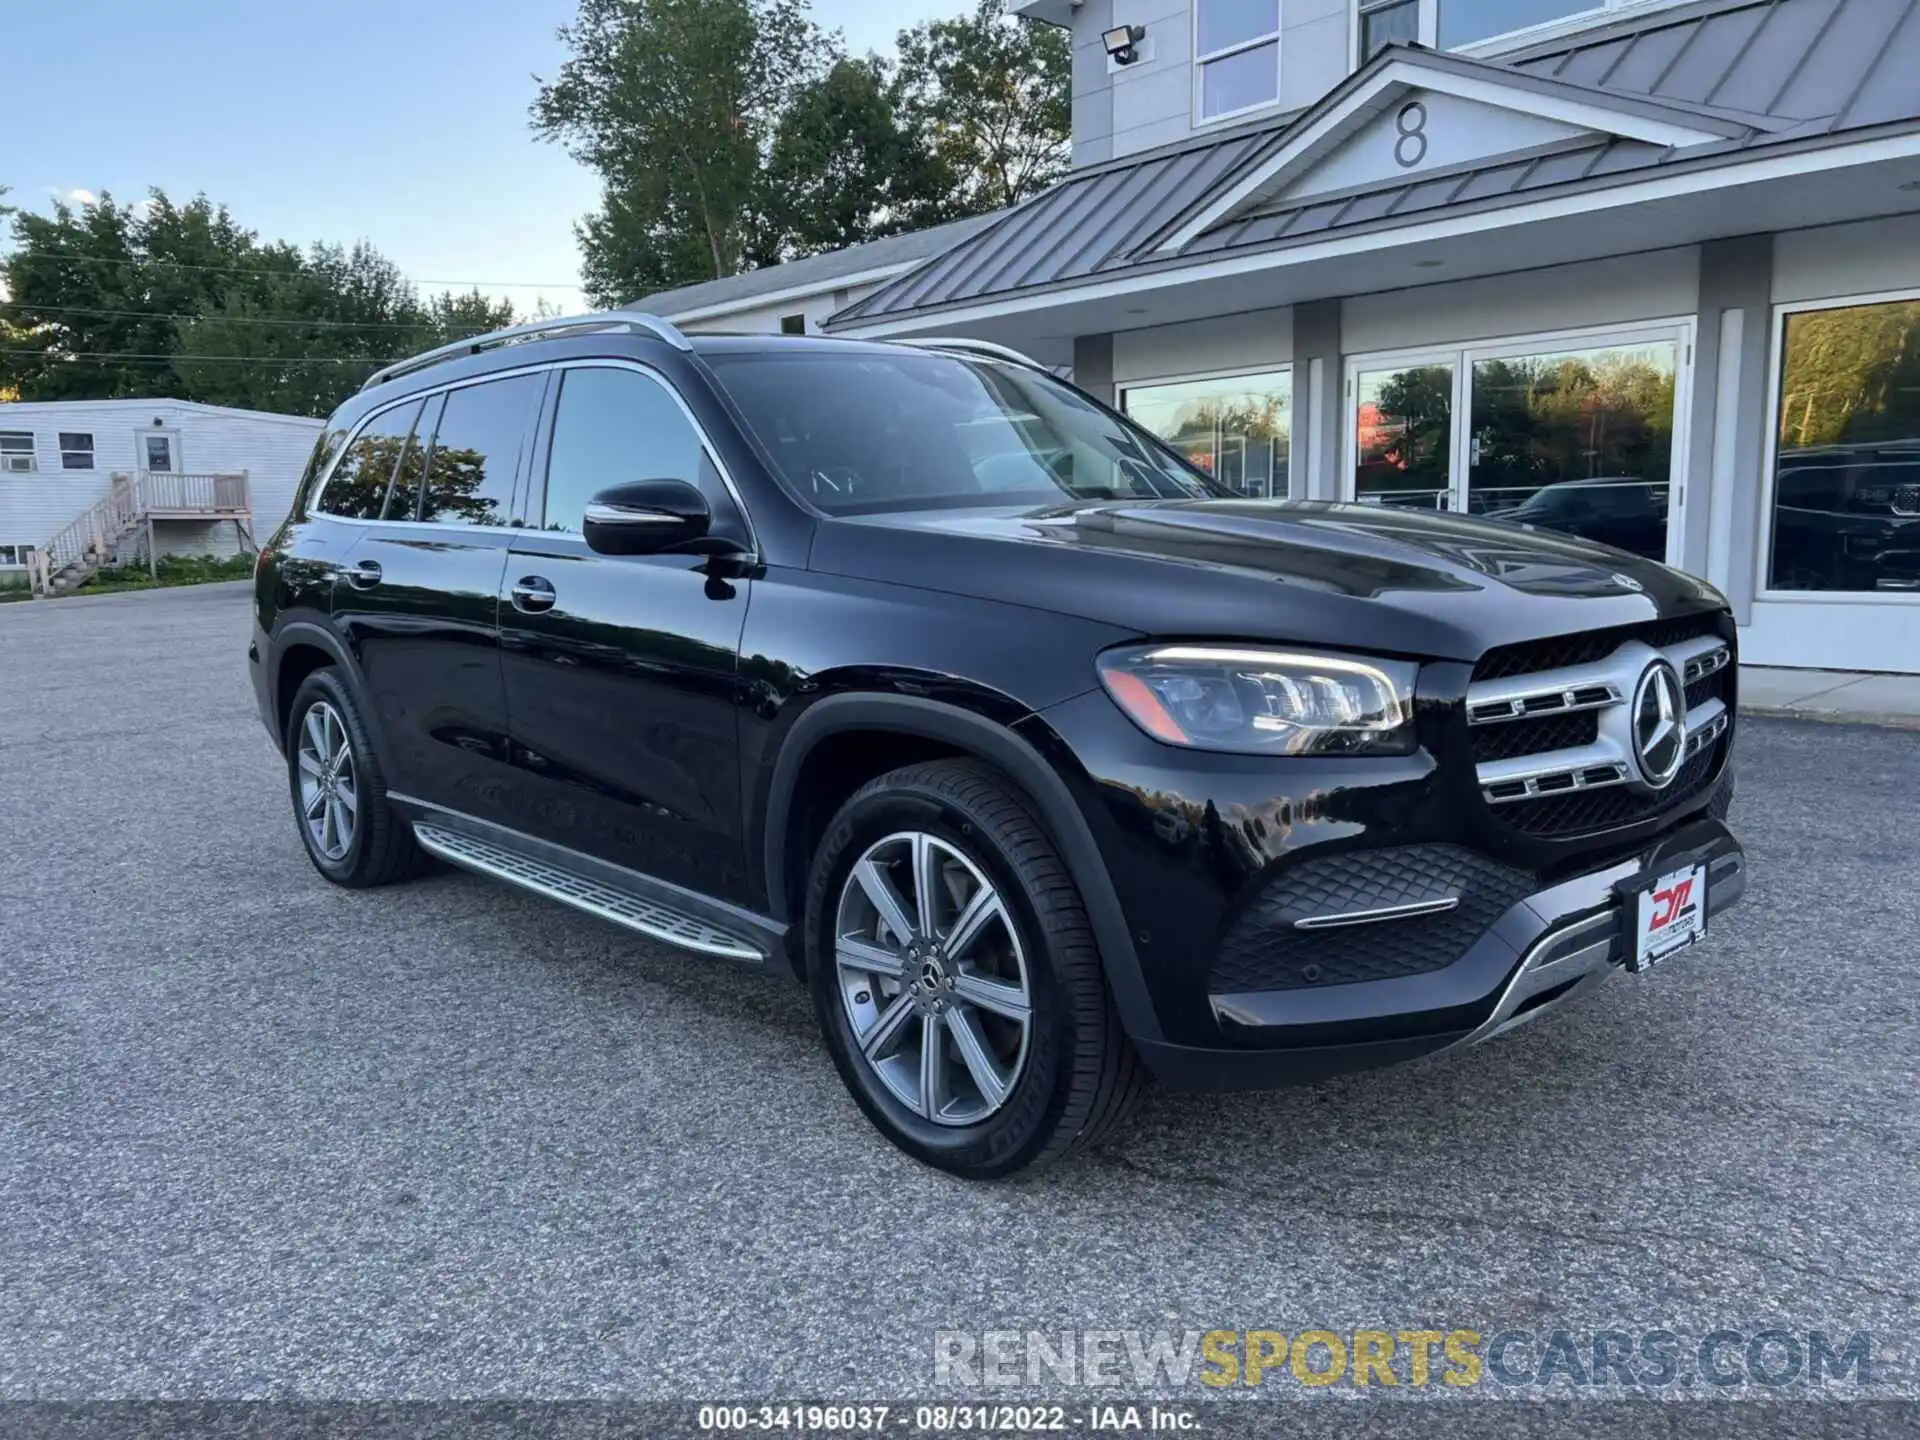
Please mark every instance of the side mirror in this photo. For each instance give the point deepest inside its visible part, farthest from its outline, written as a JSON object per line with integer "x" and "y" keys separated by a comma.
{"x": 645, "y": 517}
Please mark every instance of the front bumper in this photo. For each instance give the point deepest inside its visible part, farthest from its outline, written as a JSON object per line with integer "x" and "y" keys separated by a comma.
{"x": 1543, "y": 951}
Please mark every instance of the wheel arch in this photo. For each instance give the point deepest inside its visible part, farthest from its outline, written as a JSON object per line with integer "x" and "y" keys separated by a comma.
{"x": 934, "y": 728}
{"x": 300, "y": 647}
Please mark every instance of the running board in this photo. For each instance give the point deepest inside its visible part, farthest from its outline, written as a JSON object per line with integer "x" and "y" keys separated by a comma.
{"x": 656, "y": 922}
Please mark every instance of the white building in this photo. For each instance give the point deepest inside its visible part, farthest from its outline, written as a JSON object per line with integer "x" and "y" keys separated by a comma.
{"x": 93, "y": 478}
{"x": 1648, "y": 271}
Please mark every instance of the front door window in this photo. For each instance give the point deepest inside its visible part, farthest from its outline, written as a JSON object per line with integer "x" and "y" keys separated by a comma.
{"x": 160, "y": 452}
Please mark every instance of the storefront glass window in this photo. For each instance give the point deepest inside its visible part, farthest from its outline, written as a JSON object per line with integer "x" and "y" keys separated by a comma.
{"x": 1846, "y": 478}
{"x": 1237, "y": 430}
{"x": 1403, "y": 437}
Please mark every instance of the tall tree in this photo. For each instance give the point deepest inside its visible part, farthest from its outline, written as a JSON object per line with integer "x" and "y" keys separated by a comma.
{"x": 165, "y": 299}
{"x": 675, "y": 104}
{"x": 991, "y": 93}
{"x": 844, "y": 170}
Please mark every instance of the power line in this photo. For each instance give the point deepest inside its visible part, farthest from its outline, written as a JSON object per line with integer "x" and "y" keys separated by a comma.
{"x": 223, "y": 319}
{"x": 43, "y": 259}
{"x": 132, "y": 356}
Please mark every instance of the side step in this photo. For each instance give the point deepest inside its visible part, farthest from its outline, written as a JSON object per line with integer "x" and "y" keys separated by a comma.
{"x": 656, "y": 922}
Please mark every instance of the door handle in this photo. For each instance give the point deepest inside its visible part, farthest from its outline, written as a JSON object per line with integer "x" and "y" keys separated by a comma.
{"x": 365, "y": 575}
{"x": 532, "y": 594}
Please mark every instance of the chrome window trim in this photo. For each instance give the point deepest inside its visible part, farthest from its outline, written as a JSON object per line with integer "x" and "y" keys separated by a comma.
{"x": 548, "y": 367}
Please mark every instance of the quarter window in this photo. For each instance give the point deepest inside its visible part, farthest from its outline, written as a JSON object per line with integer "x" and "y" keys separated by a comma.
{"x": 76, "y": 451}
{"x": 1846, "y": 473}
{"x": 16, "y": 452}
{"x": 614, "y": 427}
{"x": 1236, "y": 47}
{"x": 357, "y": 490}
{"x": 476, "y": 452}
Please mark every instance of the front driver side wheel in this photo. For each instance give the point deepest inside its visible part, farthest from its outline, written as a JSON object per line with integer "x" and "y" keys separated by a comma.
{"x": 956, "y": 977}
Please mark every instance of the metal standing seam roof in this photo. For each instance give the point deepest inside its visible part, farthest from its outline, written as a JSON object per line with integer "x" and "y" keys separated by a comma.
{"x": 814, "y": 270}
{"x": 1759, "y": 71}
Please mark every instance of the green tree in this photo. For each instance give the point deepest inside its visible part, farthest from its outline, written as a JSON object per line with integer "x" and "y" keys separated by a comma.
{"x": 675, "y": 105}
{"x": 991, "y": 94}
{"x": 844, "y": 170}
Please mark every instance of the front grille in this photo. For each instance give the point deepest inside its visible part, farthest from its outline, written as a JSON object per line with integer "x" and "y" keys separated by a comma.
{"x": 1561, "y": 652}
{"x": 1534, "y": 736}
{"x": 1265, "y": 948}
{"x": 1551, "y": 730}
{"x": 1584, "y": 811}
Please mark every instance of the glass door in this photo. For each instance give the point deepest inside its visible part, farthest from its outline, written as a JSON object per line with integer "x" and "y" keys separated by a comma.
{"x": 1403, "y": 436}
{"x": 1582, "y": 435}
{"x": 1577, "y": 440}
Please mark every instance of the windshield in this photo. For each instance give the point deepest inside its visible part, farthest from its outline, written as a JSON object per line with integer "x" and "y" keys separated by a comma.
{"x": 860, "y": 432}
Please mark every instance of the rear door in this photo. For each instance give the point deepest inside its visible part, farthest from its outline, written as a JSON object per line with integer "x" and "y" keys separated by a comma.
{"x": 417, "y": 594}
{"x": 620, "y": 671}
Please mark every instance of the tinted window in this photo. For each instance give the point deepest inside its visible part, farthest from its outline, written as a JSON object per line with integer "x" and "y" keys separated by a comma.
{"x": 476, "y": 451}
{"x": 403, "y": 499}
{"x": 612, "y": 427}
{"x": 358, "y": 488}
{"x": 1846, "y": 495}
{"x": 859, "y": 431}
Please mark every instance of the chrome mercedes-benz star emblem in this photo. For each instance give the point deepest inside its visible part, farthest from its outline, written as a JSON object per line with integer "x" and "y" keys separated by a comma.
{"x": 1659, "y": 725}
{"x": 1627, "y": 582}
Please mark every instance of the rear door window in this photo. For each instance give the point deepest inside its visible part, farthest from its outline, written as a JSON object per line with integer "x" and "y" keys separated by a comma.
{"x": 475, "y": 459}
{"x": 357, "y": 490}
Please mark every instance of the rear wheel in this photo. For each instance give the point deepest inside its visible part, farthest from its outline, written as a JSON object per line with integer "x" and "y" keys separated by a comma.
{"x": 352, "y": 833}
{"x": 956, "y": 977}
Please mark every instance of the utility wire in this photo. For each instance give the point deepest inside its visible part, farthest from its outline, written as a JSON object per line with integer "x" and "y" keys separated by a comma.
{"x": 270, "y": 274}
{"x": 131, "y": 356}
{"x": 222, "y": 319}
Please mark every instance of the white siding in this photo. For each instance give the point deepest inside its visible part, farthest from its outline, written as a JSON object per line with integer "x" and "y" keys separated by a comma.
{"x": 1654, "y": 286}
{"x": 272, "y": 449}
{"x": 765, "y": 319}
{"x": 1200, "y": 348}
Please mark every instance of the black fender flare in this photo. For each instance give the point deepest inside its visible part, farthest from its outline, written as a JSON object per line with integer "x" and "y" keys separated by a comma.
{"x": 1058, "y": 811}
{"x": 320, "y": 636}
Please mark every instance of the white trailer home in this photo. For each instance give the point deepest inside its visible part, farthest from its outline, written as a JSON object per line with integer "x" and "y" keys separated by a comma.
{"x": 84, "y": 482}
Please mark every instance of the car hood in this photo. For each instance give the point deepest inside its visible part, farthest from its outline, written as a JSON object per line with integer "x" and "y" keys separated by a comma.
{"x": 1305, "y": 572}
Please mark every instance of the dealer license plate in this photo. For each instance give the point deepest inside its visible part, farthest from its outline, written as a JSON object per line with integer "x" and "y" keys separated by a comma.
{"x": 1671, "y": 914}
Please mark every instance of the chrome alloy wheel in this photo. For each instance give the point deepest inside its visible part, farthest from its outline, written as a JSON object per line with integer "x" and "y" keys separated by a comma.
{"x": 933, "y": 978}
{"x": 329, "y": 782}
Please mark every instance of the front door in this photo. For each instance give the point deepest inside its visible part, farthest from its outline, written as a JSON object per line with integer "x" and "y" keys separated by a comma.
{"x": 159, "y": 451}
{"x": 1585, "y": 436}
{"x": 621, "y": 670}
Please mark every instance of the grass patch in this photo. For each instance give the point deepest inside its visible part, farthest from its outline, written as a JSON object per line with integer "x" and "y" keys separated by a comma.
{"x": 169, "y": 570}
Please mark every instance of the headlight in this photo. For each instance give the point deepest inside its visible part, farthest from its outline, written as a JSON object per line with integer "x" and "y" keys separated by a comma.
{"x": 1263, "y": 702}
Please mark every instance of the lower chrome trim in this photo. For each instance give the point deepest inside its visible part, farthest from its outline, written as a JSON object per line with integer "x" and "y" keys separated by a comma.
{"x": 1374, "y": 917}
{"x": 1577, "y": 956}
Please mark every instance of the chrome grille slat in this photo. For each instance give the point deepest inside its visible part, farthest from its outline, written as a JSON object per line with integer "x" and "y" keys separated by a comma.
{"x": 1603, "y": 687}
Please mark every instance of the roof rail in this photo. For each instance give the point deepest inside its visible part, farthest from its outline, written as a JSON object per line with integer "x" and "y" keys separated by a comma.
{"x": 968, "y": 346}
{"x": 629, "y": 320}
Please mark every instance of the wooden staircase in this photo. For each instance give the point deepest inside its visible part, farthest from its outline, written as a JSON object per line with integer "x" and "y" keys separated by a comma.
{"x": 94, "y": 538}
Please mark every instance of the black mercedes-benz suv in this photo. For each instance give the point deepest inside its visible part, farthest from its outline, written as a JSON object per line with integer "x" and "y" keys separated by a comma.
{"x": 1045, "y": 763}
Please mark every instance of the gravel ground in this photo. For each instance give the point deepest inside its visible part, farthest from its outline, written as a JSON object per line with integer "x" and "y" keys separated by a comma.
{"x": 263, "y": 1137}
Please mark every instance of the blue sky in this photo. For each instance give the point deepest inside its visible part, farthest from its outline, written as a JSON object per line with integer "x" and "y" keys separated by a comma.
{"x": 403, "y": 122}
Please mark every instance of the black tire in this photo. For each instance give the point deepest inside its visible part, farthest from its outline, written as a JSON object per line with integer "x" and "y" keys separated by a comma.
{"x": 382, "y": 848}
{"x": 1081, "y": 1076}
